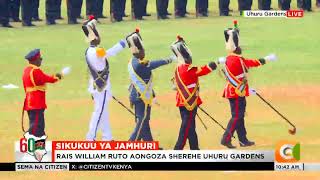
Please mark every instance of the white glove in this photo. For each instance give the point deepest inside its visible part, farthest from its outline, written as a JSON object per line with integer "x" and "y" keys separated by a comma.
{"x": 155, "y": 101}
{"x": 66, "y": 71}
{"x": 271, "y": 57}
{"x": 221, "y": 60}
{"x": 252, "y": 91}
{"x": 10, "y": 86}
{"x": 172, "y": 58}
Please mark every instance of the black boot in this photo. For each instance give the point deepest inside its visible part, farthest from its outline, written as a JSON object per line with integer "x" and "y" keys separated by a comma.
{"x": 228, "y": 145}
{"x": 246, "y": 143}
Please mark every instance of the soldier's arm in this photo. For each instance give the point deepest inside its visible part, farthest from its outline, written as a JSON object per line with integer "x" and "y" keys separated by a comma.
{"x": 116, "y": 49}
{"x": 204, "y": 70}
{"x": 40, "y": 78}
{"x": 254, "y": 62}
{"x": 157, "y": 63}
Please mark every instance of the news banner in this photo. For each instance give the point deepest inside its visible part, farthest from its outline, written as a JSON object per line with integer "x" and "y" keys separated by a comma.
{"x": 135, "y": 156}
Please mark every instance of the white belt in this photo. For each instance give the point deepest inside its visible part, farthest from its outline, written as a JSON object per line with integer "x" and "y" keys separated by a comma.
{"x": 192, "y": 85}
{"x": 240, "y": 75}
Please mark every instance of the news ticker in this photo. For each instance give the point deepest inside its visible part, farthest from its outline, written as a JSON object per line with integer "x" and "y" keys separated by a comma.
{"x": 159, "y": 166}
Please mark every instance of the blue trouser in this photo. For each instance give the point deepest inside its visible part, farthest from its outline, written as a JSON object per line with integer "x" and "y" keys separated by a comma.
{"x": 4, "y": 12}
{"x": 236, "y": 123}
{"x": 35, "y": 9}
{"x": 264, "y": 4}
{"x": 187, "y": 130}
{"x": 181, "y": 7}
{"x": 14, "y": 9}
{"x": 224, "y": 7}
{"x": 26, "y": 11}
{"x": 36, "y": 122}
{"x": 142, "y": 122}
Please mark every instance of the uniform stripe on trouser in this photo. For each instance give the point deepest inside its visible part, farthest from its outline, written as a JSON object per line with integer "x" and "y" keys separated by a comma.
{"x": 186, "y": 134}
{"x": 96, "y": 129}
{"x": 234, "y": 121}
{"x": 34, "y": 129}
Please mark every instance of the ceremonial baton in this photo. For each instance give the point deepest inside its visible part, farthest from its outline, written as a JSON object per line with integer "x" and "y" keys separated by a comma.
{"x": 129, "y": 110}
{"x": 204, "y": 125}
{"x": 291, "y": 131}
{"x": 214, "y": 120}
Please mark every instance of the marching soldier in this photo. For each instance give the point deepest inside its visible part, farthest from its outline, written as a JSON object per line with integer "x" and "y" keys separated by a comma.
{"x": 34, "y": 83}
{"x": 224, "y": 7}
{"x": 202, "y": 7}
{"x": 304, "y": 4}
{"x": 35, "y": 10}
{"x": 26, "y": 12}
{"x": 14, "y": 10}
{"x": 52, "y": 11}
{"x": 73, "y": 11}
{"x": 235, "y": 70}
{"x": 186, "y": 81}
{"x": 162, "y": 9}
{"x": 180, "y": 8}
{"x": 99, "y": 84}
{"x": 264, "y": 4}
{"x": 4, "y": 13}
{"x": 141, "y": 88}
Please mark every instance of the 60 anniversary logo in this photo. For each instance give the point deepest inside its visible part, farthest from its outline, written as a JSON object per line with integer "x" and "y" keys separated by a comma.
{"x": 287, "y": 152}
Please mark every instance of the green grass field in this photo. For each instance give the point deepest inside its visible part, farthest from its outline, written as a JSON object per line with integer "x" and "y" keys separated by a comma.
{"x": 292, "y": 84}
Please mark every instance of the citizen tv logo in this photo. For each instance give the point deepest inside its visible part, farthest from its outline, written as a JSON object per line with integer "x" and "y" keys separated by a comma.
{"x": 287, "y": 152}
{"x": 295, "y": 14}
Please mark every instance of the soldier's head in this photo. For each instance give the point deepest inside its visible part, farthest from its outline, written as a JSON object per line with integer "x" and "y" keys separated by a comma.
{"x": 232, "y": 39}
{"x": 135, "y": 44}
{"x": 89, "y": 28}
{"x": 34, "y": 57}
{"x": 181, "y": 50}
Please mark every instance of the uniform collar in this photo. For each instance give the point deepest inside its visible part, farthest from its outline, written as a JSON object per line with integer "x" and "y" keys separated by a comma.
{"x": 234, "y": 54}
{"x": 33, "y": 66}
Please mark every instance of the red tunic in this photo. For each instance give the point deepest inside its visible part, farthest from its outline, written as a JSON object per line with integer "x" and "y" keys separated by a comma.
{"x": 234, "y": 65}
{"x": 190, "y": 77}
{"x": 34, "y": 83}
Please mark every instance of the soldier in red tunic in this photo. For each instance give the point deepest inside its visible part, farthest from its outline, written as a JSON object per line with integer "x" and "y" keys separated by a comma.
{"x": 34, "y": 82}
{"x": 186, "y": 81}
{"x": 236, "y": 69}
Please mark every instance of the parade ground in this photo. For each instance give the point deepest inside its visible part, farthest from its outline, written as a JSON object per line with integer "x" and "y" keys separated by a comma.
{"x": 292, "y": 85}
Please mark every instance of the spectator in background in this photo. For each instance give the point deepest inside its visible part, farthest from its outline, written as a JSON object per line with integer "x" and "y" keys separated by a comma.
{"x": 138, "y": 10}
{"x": 73, "y": 10}
{"x": 117, "y": 12}
{"x": 318, "y": 3}
{"x": 264, "y": 4}
{"x": 162, "y": 9}
{"x": 4, "y": 13}
{"x": 59, "y": 9}
{"x": 14, "y": 10}
{"x": 26, "y": 12}
{"x": 180, "y": 8}
{"x": 144, "y": 8}
{"x": 224, "y": 7}
{"x": 35, "y": 10}
{"x": 244, "y": 5}
{"x": 202, "y": 7}
{"x": 92, "y": 8}
{"x": 304, "y": 5}
{"x": 284, "y": 4}
{"x": 52, "y": 11}
{"x": 100, "y": 9}
{"x": 123, "y": 8}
